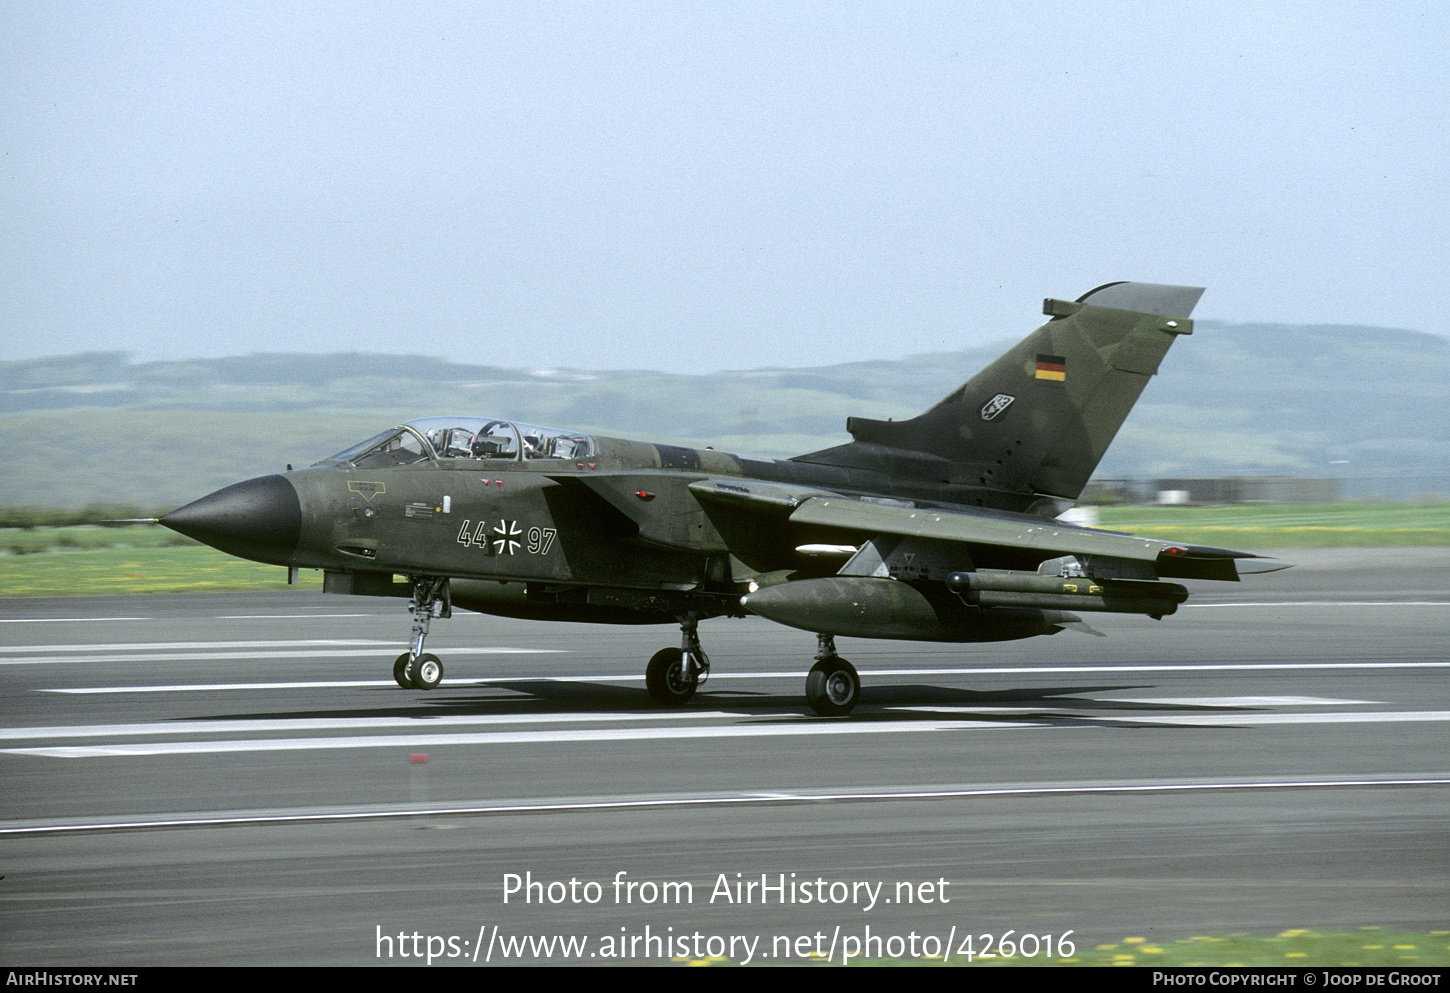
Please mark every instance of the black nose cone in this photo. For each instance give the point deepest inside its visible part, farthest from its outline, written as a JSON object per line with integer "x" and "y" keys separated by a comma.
{"x": 260, "y": 519}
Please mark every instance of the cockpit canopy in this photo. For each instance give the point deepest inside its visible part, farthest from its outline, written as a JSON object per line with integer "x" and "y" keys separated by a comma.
{"x": 465, "y": 438}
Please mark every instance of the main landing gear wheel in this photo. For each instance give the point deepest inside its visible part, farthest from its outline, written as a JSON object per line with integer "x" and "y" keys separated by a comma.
{"x": 668, "y": 680}
{"x": 833, "y": 687}
{"x": 400, "y": 672}
{"x": 425, "y": 672}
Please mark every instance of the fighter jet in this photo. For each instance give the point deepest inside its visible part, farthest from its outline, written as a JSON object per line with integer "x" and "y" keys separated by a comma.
{"x": 942, "y": 527}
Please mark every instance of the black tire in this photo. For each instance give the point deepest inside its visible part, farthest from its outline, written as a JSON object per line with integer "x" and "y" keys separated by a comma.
{"x": 425, "y": 672}
{"x": 667, "y": 680}
{"x": 400, "y": 672}
{"x": 833, "y": 687}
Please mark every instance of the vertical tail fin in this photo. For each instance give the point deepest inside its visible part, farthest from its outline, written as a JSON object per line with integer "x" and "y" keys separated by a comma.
{"x": 1039, "y": 418}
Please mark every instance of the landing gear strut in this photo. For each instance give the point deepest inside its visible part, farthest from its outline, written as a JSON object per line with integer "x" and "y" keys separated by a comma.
{"x": 414, "y": 669}
{"x": 832, "y": 686}
{"x": 673, "y": 674}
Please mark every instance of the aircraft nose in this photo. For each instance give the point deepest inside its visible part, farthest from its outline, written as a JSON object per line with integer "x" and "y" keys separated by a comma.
{"x": 260, "y": 519}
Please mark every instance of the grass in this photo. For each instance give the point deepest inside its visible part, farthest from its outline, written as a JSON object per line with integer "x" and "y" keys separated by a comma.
{"x": 31, "y": 540}
{"x": 1288, "y": 525}
{"x": 91, "y": 572}
{"x": 1367, "y": 947}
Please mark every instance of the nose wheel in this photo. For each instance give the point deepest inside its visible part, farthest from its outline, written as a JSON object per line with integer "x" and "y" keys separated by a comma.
{"x": 416, "y": 669}
{"x": 425, "y": 672}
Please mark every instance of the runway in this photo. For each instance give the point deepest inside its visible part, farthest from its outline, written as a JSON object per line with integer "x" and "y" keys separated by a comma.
{"x": 212, "y": 779}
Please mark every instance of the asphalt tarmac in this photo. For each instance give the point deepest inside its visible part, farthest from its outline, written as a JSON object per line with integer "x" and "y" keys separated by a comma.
{"x": 236, "y": 779}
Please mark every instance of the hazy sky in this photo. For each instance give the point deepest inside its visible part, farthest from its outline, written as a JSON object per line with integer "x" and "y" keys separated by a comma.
{"x": 705, "y": 185}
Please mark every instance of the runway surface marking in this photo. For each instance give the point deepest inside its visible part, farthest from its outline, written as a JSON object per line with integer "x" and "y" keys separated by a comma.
{"x": 346, "y": 723}
{"x": 787, "y": 729}
{"x": 156, "y": 646}
{"x": 318, "y": 653}
{"x": 785, "y": 726}
{"x": 1199, "y": 719}
{"x": 65, "y": 620}
{"x": 772, "y": 798}
{"x": 1235, "y": 701}
{"x": 283, "y": 617}
{"x": 172, "y": 646}
{"x": 716, "y": 677}
{"x": 1323, "y": 603}
{"x": 346, "y": 684}
{"x": 430, "y": 721}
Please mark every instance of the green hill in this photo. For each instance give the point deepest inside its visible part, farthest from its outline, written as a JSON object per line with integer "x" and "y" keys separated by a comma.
{"x": 1232, "y": 399}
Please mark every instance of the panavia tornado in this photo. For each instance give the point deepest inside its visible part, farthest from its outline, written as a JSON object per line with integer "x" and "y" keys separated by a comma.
{"x": 938, "y": 528}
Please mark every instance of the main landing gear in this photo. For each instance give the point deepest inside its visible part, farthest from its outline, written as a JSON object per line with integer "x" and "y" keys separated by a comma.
{"x": 832, "y": 686}
{"x": 414, "y": 669}
{"x": 673, "y": 674}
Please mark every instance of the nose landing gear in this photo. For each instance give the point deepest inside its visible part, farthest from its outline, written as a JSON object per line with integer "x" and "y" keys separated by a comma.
{"x": 414, "y": 669}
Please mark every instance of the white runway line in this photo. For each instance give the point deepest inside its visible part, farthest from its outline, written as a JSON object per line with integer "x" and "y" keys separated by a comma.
{"x": 343, "y": 684}
{"x": 1237, "y": 701}
{"x": 171, "y": 646}
{"x": 1245, "y": 720}
{"x": 1325, "y": 603}
{"x": 678, "y": 733}
{"x": 718, "y": 677}
{"x": 283, "y": 617}
{"x": 719, "y": 800}
{"x": 791, "y": 729}
{"x": 344, "y": 724}
{"x": 310, "y": 653}
{"x": 65, "y": 620}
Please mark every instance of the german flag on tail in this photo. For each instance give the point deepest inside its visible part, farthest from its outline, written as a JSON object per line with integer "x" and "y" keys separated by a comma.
{"x": 1053, "y": 367}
